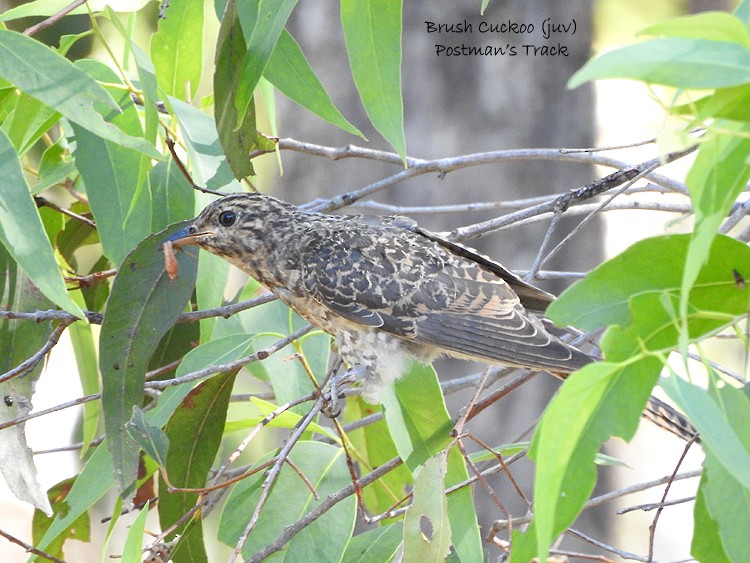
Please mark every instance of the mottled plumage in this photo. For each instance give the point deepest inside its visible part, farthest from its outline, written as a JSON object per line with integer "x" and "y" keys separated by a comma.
{"x": 386, "y": 289}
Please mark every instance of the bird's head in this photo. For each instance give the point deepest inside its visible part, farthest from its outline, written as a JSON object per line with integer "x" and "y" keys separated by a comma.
{"x": 230, "y": 227}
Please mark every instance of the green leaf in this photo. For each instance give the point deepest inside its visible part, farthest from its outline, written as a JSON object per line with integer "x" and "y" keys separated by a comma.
{"x": 262, "y": 24}
{"x": 116, "y": 177}
{"x": 236, "y": 140}
{"x": 132, "y": 550}
{"x": 603, "y": 297}
{"x": 84, "y": 348}
{"x": 467, "y": 541}
{"x": 151, "y": 439}
{"x": 91, "y": 484}
{"x": 194, "y": 432}
{"x": 706, "y": 545}
{"x": 146, "y": 75}
{"x": 289, "y": 71}
{"x": 141, "y": 308}
{"x": 600, "y": 401}
{"x": 207, "y": 162}
{"x": 79, "y": 530}
{"x": 421, "y": 427}
{"x": 372, "y": 31}
{"x": 173, "y": 197}
{"x": 287, "y": 419}
{"x": 55, "y": 166}
{"x": 373, "y": 444}
{"x": 715, "y": 26}
{"x": 718, "y": 176}
{"x": 672, "y": 61}
{"x": 51, "y": 7}
{"x": 323, "y": 540}
{"x": 29, "y": 120}
{"x": 417, "y": 418}
{"x": 177, "y": 48}
{"x": 22, "y": 232}
{"x": 427, "y": 531}
{"x": 722, "y": 508}
{"x": 375, "y": 546}
{"x": 269, "y": 323}
{"x": 726, "y": 103}
{"x": 217, "y": 351}
{"x": 718, "y": 437}
{"x": 55, "y": 81}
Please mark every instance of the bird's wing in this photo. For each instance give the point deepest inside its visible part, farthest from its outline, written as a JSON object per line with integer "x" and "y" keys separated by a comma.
{"x": 415, "y": 289}
{"x": 531, "y": 297}
{"x": 484, "y": 320}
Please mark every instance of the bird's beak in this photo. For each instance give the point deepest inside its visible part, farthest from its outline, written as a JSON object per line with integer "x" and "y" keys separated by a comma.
{"x": 187, "y": 236}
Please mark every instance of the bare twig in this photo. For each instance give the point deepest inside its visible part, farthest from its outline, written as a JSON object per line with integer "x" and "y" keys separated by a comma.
{"x": 259, "y": 355}
{"x": 53, "y": 19}
{"x": 652, "y": 527}
{"x": 30, "y": 548}
{"x": 609, "y": 548}
{"x": 28, "y": 365}
{"x": 56, "y": 408}
{"x": 500, "y": 524}
{"x": 273, "y": 474}
{"x": 647, "y": 507}
{"x": 331, "y": 501}
{"x": 564, "y": 201}
{"x": 39, "y": 200}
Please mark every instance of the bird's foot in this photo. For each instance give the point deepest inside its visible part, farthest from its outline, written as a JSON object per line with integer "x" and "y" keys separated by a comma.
{"x": 332, "y": 391}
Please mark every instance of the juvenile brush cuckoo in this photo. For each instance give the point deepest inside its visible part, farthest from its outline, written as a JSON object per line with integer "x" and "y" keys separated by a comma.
{"x": 388, "y": 290}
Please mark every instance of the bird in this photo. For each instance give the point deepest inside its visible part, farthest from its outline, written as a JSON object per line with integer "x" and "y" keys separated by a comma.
{"x": 390, "y": 291}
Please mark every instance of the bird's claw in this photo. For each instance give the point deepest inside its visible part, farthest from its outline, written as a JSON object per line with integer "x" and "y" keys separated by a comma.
{"x": 333, "y": 391}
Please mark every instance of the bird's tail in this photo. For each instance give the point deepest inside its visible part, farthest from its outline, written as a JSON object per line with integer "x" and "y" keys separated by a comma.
{"x": 665, "y": 416}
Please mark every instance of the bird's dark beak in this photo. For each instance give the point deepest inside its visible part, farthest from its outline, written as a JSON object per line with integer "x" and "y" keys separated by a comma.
{"x": 187, "y": 236}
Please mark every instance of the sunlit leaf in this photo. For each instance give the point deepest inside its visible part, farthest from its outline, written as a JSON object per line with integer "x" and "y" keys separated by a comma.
{"x": 177, "y": 48}
{"x": 373, "y": 42}
{"x": 52, "y": 79}
{"x": 672, "y": 61}
{"x": 716, "y": 26}
{"x": 116, "y": 177}
{"x": 22, "y": 232}
{"x": 289, "y": 71}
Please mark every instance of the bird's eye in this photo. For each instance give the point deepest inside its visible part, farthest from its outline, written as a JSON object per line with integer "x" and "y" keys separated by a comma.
{"x": 227, "y": 218}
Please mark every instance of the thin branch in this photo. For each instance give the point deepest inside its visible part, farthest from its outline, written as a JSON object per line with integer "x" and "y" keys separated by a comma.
{"x": 273, "y": 475}
{"x": 331, "y": 501}
{"x": 56, "y": 408}
{"x": 30, "y": 548}
{"x": 42, "y": 201}
{"x": 226, "y": 311}
{"x": 170, "y": 145}
{"x": 647, "y": 507}
{"x": 736, "y": 215}
{"x": 652, "y": 527}
{"x": 520, "y": 521}
{"x": 210, "y": 370}
{"x": 609, "y": 548}
{"x": 29, "y": 364}
{"x": 44, "y": 24}
{"x": 593, "y": 214}
{"x": 566, "y": 200}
